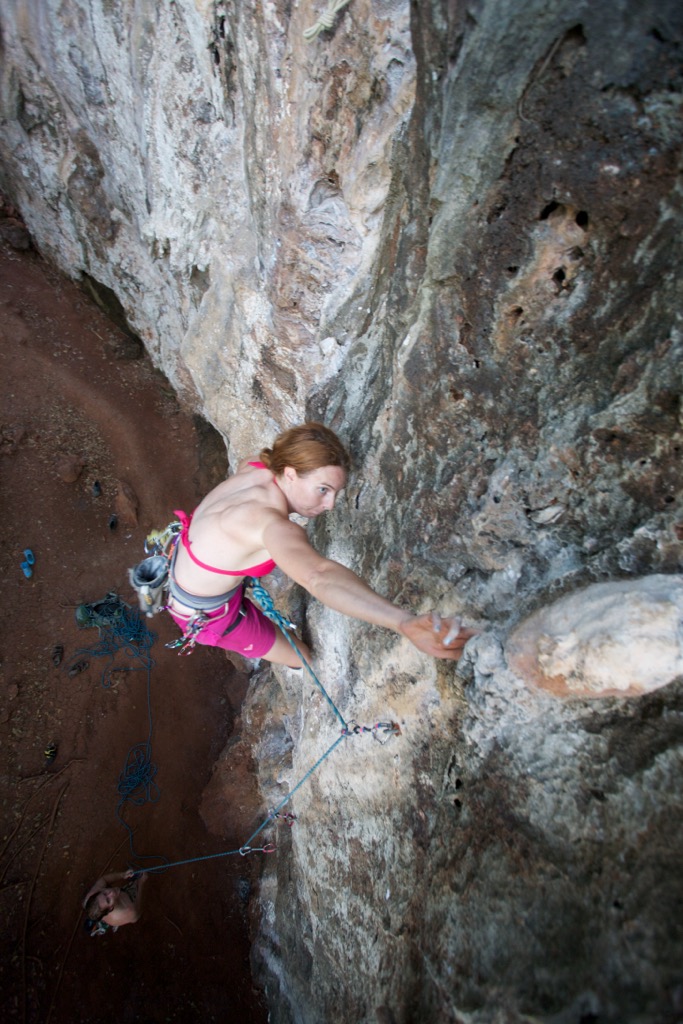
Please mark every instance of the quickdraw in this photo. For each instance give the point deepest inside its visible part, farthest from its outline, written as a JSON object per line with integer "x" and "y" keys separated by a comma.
{"x": 388, "y": 728}
{"x": 268, "y": 848}
{"x": 188, "y": 641}
{"x": 158, "y": 541}
{"x": 287, "y": 817}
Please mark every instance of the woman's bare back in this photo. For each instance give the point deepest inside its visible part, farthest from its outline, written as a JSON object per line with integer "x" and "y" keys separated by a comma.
{"x": 226, "y": 531}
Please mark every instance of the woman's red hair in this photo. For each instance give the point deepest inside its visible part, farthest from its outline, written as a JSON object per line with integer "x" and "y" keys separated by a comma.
{"x": 305, "y": 448}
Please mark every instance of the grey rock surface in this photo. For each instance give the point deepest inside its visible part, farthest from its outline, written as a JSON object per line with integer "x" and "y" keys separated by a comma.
{"x": 453, "y": 232}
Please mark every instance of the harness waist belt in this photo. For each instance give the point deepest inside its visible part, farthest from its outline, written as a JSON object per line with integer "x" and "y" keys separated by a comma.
{"x": 204, "y": 604}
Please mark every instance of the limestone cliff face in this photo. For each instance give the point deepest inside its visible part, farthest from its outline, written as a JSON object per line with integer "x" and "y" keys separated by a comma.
{"x": 453, "y": 231}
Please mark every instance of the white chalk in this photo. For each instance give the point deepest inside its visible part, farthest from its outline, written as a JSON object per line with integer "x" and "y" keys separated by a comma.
{"x": 453, "y": 632}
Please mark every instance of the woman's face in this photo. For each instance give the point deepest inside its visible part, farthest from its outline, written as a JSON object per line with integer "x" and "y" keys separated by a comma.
{"x": 310, "y": 494}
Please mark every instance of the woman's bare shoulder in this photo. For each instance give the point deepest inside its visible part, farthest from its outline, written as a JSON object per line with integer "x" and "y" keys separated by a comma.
{"x": 231, "y": 491}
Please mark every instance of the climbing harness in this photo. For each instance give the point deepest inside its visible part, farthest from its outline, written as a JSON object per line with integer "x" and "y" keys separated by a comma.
{"x": 195, "y": 624}
{"x": 153, "y": 581}
{"x": 95, "y": 928}
{"x": 326, "y": 20}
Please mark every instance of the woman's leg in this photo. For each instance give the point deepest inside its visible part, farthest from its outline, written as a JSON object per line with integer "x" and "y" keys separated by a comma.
{"x": 282, "y": 653}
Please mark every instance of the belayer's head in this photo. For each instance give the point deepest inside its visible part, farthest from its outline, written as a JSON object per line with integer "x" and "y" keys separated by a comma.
{"x": 311, "y": 465}
{"x": 100, "y": 904}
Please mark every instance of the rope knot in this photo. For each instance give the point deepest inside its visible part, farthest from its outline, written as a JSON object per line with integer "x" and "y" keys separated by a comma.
{"x": 326, "y": 20}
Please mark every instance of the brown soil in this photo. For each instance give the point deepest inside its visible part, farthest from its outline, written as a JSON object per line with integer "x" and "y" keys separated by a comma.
{"x": 72, "y": 394}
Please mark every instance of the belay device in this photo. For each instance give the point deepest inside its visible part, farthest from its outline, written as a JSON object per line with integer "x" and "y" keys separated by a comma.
{"x": 150, "y": 578}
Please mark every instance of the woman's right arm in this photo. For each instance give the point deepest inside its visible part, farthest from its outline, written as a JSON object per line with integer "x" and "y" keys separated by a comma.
{"x": 341, "y": 589}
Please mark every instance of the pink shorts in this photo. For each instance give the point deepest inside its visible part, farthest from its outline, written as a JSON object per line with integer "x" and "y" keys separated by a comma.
{"x": 253, "y": 636}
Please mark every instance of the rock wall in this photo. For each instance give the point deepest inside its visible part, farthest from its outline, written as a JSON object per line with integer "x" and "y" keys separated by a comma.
{"x": 453, "y": 231}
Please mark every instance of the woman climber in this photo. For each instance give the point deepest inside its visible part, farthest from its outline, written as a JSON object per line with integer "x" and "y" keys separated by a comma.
{"x": 110, "y": 906}
{"x": 242, "y": 529}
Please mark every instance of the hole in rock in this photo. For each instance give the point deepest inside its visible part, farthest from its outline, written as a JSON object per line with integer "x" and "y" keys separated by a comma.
{"x": 199, "y": 281}
{"x": 109, "y": 303}
{"x": 512, "y": 270}
{"x": 515, "y": 312}
{"x": 458, "y": 783}
{"x": 547, "y": 210}
{"x": 457, "y": 803}
{"x": 559, "y": 276}
{"x": 582, "y": 219}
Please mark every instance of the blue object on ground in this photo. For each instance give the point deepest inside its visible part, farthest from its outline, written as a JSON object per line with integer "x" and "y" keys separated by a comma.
{"x": 27, "y": 570}
{"x": 29, "y": 556}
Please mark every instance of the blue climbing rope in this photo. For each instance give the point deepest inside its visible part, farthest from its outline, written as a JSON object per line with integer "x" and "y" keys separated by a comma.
{"x": 265, "y": 602}
{"x": 263, "y": 599}
{"x": 122, "y": 629}
{"x": 269, "y": 847}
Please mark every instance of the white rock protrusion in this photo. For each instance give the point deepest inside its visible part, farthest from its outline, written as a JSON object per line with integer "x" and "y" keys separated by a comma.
{"x": 623, "y": 638}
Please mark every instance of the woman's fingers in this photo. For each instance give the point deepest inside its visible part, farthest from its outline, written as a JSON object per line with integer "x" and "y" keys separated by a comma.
{"x": 454, "y": 625}
{"x": 453, "y": 632}
{"x": 437, "y": 636}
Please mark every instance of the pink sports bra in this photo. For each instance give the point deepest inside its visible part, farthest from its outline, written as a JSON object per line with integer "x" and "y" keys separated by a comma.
{"x": 255, "y": 570}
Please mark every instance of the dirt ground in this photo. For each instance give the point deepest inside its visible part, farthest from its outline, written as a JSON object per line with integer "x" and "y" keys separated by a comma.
{"x": 81, "y": 416}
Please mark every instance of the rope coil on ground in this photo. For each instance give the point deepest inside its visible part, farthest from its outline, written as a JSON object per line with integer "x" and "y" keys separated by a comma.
{"x": 121, "y": 628}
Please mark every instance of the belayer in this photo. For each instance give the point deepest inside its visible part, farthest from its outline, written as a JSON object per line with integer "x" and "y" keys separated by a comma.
{"x": 110, "y": 906}
{"x": 242, "y": 529}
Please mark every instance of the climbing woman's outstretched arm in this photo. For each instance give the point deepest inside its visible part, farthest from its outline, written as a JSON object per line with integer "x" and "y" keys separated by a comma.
{"x": 341, "y": 589}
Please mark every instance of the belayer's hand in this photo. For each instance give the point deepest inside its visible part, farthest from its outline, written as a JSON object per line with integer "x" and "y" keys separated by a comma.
{"x": 440, "y": 638}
